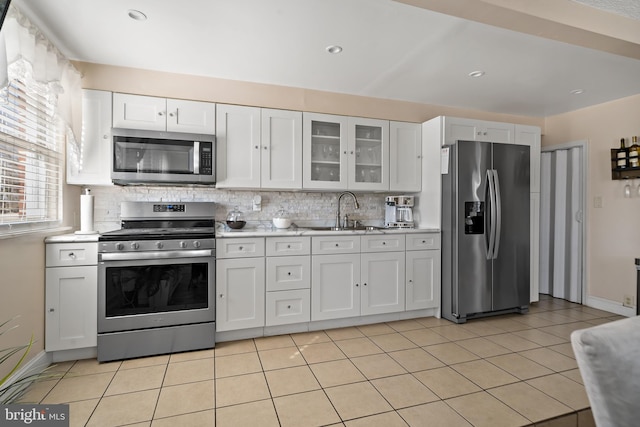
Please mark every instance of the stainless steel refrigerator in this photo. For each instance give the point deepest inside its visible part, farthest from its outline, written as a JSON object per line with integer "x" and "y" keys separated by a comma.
{"x": 485, "y": 230}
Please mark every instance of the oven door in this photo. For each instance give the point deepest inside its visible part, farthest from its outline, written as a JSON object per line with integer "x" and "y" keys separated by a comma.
{"x": 155, "y": 289}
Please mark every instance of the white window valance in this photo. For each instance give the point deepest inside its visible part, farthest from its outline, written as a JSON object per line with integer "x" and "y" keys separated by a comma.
{"x": 23, "y": 43}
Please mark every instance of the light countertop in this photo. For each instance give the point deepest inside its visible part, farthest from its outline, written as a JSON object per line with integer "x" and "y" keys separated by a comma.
{"x": 265, "y": 229}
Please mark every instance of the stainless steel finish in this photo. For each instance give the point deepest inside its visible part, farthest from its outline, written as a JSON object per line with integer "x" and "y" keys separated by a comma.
{"x": 129, "y": 256}
{"x": 355, "y": 202}
{"x": 160, "y": 210}
{"x": 485, "y": 230}
{"x": 196, "y": 157}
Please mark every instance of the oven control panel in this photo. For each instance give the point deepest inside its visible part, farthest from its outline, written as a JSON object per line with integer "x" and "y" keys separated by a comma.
{"x": 155, "y": 245}
{"x": 168, "y": 207}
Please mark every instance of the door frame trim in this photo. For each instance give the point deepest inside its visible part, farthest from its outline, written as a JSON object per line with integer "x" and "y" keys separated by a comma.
{"x": 584, "y": 145}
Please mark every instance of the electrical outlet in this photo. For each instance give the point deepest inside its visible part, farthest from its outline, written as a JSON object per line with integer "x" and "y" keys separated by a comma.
{"x": 597, "y": 202}
{"x": 627, "y": 301}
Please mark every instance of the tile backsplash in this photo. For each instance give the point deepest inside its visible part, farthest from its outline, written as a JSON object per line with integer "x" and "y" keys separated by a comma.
{"x": 300, "y": 206}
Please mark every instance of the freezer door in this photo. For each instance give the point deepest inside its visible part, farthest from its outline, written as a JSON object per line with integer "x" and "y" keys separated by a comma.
{"x": 511, "y": 263}
{"x": 474, "y": 275}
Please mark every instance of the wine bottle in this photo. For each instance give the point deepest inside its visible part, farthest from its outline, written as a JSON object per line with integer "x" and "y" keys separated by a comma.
{"x": 634, "y": 153}
{"x": 621, "y": 155}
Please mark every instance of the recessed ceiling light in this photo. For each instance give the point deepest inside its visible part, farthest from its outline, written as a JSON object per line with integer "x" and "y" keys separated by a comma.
{"x": 334, "y": 49}
{"x": 137, "y": 15}
{"x": 478, "y": 73}
{"x": 576, "y": 91}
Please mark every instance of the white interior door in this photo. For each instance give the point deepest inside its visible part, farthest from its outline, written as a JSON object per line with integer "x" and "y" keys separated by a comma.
{"x": 562, "y": 196}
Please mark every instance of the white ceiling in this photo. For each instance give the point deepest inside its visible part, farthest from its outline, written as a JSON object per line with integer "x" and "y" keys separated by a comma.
{"x": 391, "y": 50}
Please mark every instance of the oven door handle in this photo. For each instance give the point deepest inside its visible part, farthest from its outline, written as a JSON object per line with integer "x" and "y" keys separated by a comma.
{"x": 134, "y": 256}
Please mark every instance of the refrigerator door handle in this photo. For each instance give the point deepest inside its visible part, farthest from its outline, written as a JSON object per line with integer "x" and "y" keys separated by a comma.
{"x": 498, "y": 211}
{"x": 490, "y": 198}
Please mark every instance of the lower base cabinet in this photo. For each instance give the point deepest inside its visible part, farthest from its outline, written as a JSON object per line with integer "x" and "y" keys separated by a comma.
{"x": 423, "y": 279}
{"x": 383, "y": 289}
{"x": 286, "y": 307}
{"x": 71, "y": 307}
{"x": 240, "y": 293}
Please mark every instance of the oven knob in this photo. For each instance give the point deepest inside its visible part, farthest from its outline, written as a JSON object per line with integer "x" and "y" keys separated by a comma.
{"x": 196, "y": 244}
{"x": 159, "y": 245}
{"x": 182, "y": 244}
{"x": 135, "y": 245}
{"x": 119, "y": 246}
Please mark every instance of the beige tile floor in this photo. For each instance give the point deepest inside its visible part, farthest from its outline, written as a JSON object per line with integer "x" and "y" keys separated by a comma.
{"x": 510, "y": 370}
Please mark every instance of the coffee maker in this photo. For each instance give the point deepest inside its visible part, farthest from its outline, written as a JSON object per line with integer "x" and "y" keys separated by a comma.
{"x": 398, "y": 212}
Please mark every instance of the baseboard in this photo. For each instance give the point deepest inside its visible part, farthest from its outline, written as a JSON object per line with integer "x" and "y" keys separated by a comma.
{"x": 610, "y": 306}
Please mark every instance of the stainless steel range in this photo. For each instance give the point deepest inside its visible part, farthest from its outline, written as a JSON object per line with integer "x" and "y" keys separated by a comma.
{"x": 156, "y": 280}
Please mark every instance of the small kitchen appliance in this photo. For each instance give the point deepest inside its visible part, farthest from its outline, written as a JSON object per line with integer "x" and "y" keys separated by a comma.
{"x": 156, "y": 280}
{"x": 398, "y": 212}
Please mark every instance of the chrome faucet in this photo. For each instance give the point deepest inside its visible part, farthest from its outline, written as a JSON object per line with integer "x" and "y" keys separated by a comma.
{"x": 355, "y": 203}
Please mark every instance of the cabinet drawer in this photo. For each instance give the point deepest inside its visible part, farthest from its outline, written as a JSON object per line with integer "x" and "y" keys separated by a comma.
{"x": 383, "y": 243}
{"x": 71, "y": 254}
{"x": 240, "y": 248}
{"x": 285, "y": 307}
{"x": 335, "y": 244}
{"x": 291, "y": 245}
{"x": 422, "y": 241}
{"x": 287, "y": 273}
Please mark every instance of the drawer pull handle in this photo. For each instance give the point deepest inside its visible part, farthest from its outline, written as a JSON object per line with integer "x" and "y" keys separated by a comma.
{"x": 357, "y": 285}
{"x": 424, "y": 241}
{"x": 289, "y": 273}
{"x": 410, "y": 281}
{"x": 384, "y": 243}
{"x": 240, "y": 248}
{"x": 51, "y": 310}
{"x": 364, "y": 284}
{"x": 72, "y": 255}
{"x": 288, "y": 246}
{"x": 289, "y": 307}
{"x": 337, "y": 245}
{"x": 221, "y": 295}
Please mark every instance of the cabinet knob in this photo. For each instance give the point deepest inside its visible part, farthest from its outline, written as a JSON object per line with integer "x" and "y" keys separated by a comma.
{"x": 161, "y": 113}
{"x": 105, "y": 136}
{"x": 171, "y": 114}
{"x": 345, "y": 151}
{"x": 240, "y": 248}
{"x": 288, "y": 246}
{"x": 351, "y": 152}
{"x": 424, "y": 241}
{"x": 51, "y": 310}
{"x": 265, "y": 147}
{"x": 419, "y": 156}
{"x": 357, "y": 285}
{"x": 221, "y": 295}
{"x": 256, "y": 147}
{"x": 289, "y": 307}
{"x": 364, "y": 284}
{"x": 72, "y": 255}
{"x": 384, "y": 243}
{"x": 337, "y": 245}
{"x": 410, "y": 281}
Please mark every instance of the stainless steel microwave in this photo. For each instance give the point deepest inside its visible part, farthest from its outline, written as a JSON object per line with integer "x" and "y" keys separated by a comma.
{"x": 153, "y": 157}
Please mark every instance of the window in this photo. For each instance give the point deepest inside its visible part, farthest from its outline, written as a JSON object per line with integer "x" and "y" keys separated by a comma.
{"x": 31, "y": 148}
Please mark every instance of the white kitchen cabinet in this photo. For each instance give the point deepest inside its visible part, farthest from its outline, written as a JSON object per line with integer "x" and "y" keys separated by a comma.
{"x": 531, "y": 136}
{"x": 345, "y": 153}
{"x": 241, "y": 247}
{"x": 163, "y": 114}
{"x": 238, "y": 146}
{"x": 383, "y": 288}
{"x": 335, "y": 286}
{"x": 324, "y": 151}
{"x": 422, "y": 279}
{"x": 405, "y": 157}
{"x": 368, "y": 154}
{"x": 288, "y": 281}
{"x": 240, "y": 293}
{"x": 281, "y": 163}
{"x": 423, "y": 271}
{"x": 258, "y": 148}
{"x": 71, "y": 296}
{"x": 458, "y": 129}
{"x": 89, "y": 162}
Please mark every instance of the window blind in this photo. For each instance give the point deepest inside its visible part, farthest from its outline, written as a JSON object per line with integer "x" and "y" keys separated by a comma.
{"x": 31, "y": 144}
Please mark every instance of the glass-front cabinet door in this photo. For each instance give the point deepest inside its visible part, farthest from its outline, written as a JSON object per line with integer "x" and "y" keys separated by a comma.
{"x": 368, "y": 154}
{"x": 324, "y": 151}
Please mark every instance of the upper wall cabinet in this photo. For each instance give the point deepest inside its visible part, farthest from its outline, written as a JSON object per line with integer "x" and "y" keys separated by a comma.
{"x": 89, "y": 162}
{"x": 163, "y": 114}
{"x": 345, "y": 153}
{"x": 457, "y": 129}
{"x": 405, "y": 157}
{"x": 258, "y": 148}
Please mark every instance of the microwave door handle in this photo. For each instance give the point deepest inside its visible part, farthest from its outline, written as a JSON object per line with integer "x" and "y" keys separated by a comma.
{"x": 196, "y": 157}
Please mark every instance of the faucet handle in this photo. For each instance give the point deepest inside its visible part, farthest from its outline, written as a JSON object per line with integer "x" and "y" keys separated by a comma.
{"x": 345, "y": 221}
